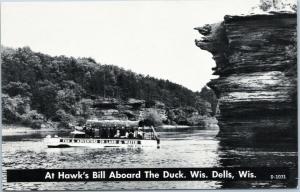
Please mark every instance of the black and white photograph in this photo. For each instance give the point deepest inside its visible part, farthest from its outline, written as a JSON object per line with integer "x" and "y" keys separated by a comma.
{"x": 147, "y": 95}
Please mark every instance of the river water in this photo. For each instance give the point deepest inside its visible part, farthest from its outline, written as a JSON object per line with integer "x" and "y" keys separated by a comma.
{"x": 189, "y": 147}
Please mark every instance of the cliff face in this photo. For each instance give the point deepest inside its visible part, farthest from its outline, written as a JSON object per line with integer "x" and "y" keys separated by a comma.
{"x": 139, "y": 110}
{"x": 132, "y": 109}
{"x": 256, "y": 60}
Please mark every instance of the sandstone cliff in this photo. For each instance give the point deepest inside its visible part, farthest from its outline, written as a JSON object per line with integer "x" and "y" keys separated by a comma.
{"x": 256, "y": 60}
{"x": 138, "y": 110}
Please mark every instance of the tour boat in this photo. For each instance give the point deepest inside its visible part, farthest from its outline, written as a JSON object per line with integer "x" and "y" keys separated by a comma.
{"x": 84, "y": 138}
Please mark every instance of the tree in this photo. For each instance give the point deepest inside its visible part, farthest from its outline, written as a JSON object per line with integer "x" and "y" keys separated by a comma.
{"x": 277, "y": 5}
{"x": 63, "y": 83}
{"x": 66, "y": 100}
{"x": 44, "y": 97}
{"x": 14, "y": 107}
{"x": 17, "y": 88}
{"x": 208, "y": 95}
{"x": 152, "y": 118}
{"x": 64, "y": 118}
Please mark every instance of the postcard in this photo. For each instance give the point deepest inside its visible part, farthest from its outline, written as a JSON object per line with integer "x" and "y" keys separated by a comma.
{"x": 149, "y": 95}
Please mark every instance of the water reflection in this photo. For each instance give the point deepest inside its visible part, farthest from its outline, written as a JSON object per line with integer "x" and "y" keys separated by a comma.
{"x": 238, "y": 153}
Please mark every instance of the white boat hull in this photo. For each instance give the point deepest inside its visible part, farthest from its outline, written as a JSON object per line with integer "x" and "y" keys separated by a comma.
{"x": 58, "y": 142}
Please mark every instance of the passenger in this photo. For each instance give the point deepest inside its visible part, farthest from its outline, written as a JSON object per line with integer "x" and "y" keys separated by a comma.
{"x": 104, "y": 133}
{"x": 135, "y": 133}
{"x": 123, "y": 131}
{"x": 96, "y": 132}
{"x": 108, "y": 132}
{"x": 140, "y": 134}
{"x": 117, "y": 135}
{"x": 101, "y": 132}
{"x": 126, "y": 135}
{"x": 92, "y": 132}
{"x": 111, "y": 132}
{"x": 88, "y": 132}
{"x": 130, "y": 134}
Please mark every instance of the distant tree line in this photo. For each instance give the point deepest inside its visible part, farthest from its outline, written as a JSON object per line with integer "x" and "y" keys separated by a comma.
{"x": 56, "y": 86}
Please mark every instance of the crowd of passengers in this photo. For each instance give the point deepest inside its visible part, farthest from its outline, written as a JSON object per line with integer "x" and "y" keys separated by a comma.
{"x": 131, "y": 133}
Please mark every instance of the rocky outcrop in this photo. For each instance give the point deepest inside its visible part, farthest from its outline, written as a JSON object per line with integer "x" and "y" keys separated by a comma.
{"x": 138, "y": 110}
{"x": 131, "y": 109}
{"x": 256, "y": 60}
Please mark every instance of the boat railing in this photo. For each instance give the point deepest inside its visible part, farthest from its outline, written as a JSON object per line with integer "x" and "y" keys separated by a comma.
{"x": 145, "y": 136}
{"x": 146, "y": 133}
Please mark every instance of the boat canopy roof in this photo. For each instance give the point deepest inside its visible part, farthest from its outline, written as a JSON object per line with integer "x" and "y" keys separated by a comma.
{"x": 112, "y": 123}
{"x": 77, "y": 132}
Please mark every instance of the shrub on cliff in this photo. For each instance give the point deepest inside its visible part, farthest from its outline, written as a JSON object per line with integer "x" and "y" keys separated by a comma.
{"x": 196, "y": 120}
{"x": 84, "y": 108}
{"x": 152, "y": 118}
{"x": 32, "y": 119}
{"x": 207, "y": 95}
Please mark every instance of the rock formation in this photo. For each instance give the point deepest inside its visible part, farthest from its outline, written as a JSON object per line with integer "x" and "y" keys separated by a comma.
{"x": 256, "y": 60}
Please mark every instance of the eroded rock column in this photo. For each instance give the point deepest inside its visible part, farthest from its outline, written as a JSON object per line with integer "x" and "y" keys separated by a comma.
{"x": 256, "y": 60}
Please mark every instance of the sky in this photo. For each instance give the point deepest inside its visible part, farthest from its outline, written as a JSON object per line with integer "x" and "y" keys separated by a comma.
{"x": 153, "y": 38}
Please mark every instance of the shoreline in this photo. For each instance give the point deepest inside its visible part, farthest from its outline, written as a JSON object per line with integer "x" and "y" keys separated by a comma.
{"x": 13, "y": 129}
